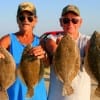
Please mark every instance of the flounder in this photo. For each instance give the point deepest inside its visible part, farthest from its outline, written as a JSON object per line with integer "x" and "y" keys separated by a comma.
{"x": 30, "y": 70}
{"x": 7, "y": 73}
{"x": 66, "y": 62}
{"x": 92, "y": 64}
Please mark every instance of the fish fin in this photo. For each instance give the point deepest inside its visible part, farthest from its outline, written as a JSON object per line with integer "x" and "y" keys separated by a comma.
{"x": 67, "y": 90}
{"x": 18, "y": 71}
{"x": 97, "y": 91}
{"x": 88, "y": 68}
{"x": 41, "y": 73}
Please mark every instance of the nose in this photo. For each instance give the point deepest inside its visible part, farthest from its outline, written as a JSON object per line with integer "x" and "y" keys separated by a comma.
{"x": 26, "y": 19}
{"x": 70, "y": 22}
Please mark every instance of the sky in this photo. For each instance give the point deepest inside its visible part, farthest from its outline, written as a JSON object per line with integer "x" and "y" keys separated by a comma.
{"x": 49, "y": 12}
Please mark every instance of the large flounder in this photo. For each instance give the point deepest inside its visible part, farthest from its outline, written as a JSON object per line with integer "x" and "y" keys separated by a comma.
{"x": 7, "y": 73}
{"x": 66, "y": 63}
{"x": 30, "y": 70}
{"x": 92, "y": 64}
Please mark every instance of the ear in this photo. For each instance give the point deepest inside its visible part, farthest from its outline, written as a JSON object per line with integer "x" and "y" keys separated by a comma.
{"x": 60, "y": 20}
{"x": 17, "y": 19}
{"x": 36, "y": 19}
{"x": 81, "y": 21}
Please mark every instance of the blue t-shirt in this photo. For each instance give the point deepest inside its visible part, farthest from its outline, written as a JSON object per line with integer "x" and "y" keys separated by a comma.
{"x": 18, "y": 90}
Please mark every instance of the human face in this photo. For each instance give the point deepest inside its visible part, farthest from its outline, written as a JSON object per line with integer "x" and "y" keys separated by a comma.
{"x": 71, "y": 23}
{"x": 26, "y": 21}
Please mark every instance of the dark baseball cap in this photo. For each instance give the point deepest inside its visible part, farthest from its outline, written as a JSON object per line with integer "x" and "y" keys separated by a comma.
{"x": 70, "y": 8}
{"x": 26, "y": 6}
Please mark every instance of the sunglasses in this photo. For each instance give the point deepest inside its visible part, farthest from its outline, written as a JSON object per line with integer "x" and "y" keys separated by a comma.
{"x": 22, "y": 18}
{"x": 67, "y": 20}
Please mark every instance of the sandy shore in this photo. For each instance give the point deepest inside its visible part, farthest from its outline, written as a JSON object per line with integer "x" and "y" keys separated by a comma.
{"x": 93, "y": 85}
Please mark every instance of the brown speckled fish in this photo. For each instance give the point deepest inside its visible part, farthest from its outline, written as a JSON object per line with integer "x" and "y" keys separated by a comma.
{"x": 93, "y": 58}
{"x": 66, "y": 63}
{"x": 30, "y": 70}
{"x": 7, "y": 73}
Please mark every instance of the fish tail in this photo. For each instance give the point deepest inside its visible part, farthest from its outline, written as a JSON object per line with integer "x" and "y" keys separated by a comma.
{"x": 4, "y": 95}
{"x": 67, "y": 90}
{"x": 30, "y": 92}
{"x": 97, "y": 91}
